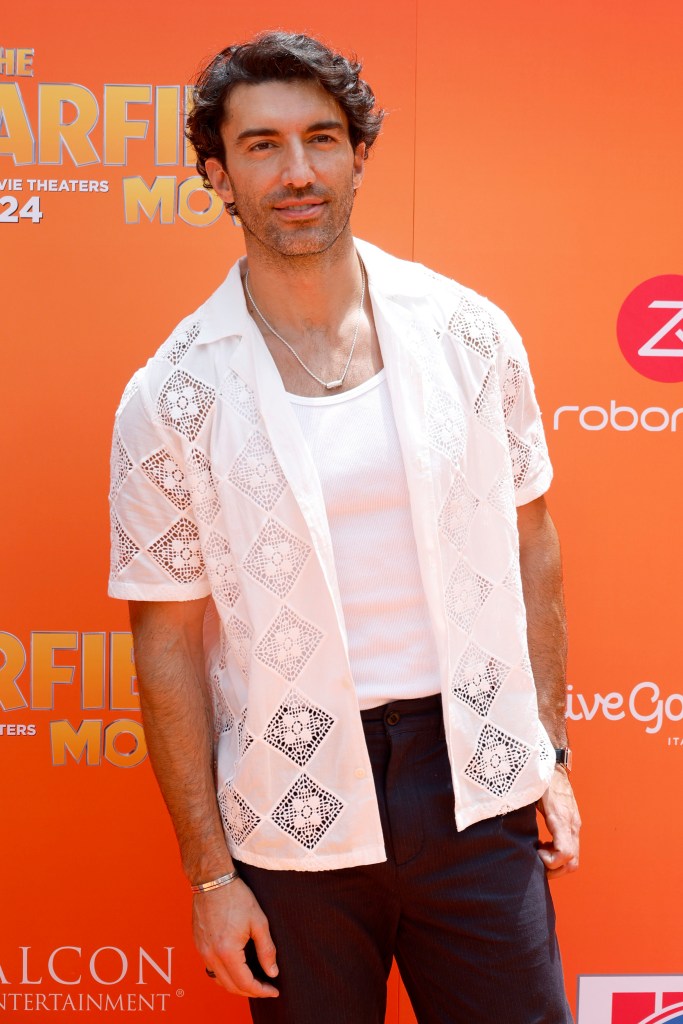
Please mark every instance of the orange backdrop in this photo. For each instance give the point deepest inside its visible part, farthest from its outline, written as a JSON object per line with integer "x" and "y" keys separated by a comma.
{"x": 533, "y": 152}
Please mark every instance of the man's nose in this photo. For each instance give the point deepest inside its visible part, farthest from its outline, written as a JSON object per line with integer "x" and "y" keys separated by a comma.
{"x": 297, "y": 171}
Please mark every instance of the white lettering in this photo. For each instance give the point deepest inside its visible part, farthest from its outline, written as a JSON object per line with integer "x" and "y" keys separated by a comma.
{"x": 611, "y": 703}
{"x": 655, "y": 715}
{"x": 668, "y": 707}
{"x": 615, "y": 410}
{"x": 25, "y": 980}
{"x": 51, "y": 967}
{"x": 656, "y": 427}
{"x": 144, "y": 956}
{"x": 622, "y": 418}
{"x": 124, "y": 965}
{"x": 593, "y": 426}
{"x": 644, "y": 703}
{"x": 563, "y": 408}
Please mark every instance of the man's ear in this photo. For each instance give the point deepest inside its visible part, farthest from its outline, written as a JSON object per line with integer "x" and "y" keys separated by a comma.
{"x": 358, "y": 165}
{"x": 220, "y": 182}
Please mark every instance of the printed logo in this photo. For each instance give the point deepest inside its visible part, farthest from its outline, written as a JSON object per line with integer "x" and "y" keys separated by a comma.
{"x": 105, "y": 980}
{"x": 645, "y": 703}
{"x": 650, "y": 328}
{"x": 630, "y": 999}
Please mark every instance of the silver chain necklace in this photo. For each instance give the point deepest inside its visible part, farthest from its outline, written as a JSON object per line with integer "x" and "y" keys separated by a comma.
{"x": 328, "y": 385}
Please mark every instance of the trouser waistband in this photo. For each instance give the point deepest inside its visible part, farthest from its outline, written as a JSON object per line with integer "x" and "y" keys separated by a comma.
{"x": 412, "y": 706}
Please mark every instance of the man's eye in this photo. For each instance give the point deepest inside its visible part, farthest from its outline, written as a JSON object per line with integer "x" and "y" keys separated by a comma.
{"x": 258, "y": 146}
{"x": 322, "y": 138}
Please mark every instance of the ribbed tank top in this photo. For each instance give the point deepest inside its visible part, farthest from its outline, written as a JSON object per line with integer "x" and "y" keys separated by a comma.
{"x": 355, "y": 447}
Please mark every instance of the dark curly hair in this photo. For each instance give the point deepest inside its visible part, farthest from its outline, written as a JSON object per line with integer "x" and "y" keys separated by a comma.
{"x": 277, "y": 56}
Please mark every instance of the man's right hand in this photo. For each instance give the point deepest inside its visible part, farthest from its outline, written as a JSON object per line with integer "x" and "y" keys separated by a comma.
{"x": 224, "y": 921}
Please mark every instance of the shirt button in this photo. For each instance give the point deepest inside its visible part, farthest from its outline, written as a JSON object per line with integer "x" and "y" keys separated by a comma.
{"x": 359, "y": 773}
{"x": 392, "y": 718}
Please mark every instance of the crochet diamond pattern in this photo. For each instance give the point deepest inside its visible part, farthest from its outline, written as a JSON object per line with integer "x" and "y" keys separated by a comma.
{"x": 257, "y": 473}
{"x": 184, "y": 403}
{"x": 487, "y": 406}
{"x": 458, "y": 512}
{"x": 298, "y": 728}
{"x": 276, "y": 558}
{"x": 239, "y": 817}
{"x": 236, "y": 638}
{"x": 307, "y": 811}
{"x": 123, "y": 547}
{"x": 178, "y": 552}
{"x": 474, "y": 326}
{"x": 163, "y": 470}
{"x": 221, "y": 569}
{"x": 121, "y": 464}
{"x": 466, "y": 593}
{"x": 477, "y": 679}
{"x": 240, "y": 396}
{"x": 288, "y": 644}
{"x": 446, "y": 425}
{"x": 512, "y": 385}
{"x": 200, "y": 479}
{"x": 179, "y": 343}
{"x": 498, "y": 760}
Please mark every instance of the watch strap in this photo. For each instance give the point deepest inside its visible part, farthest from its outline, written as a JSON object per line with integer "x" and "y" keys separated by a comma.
{"x": 563, "y": 756}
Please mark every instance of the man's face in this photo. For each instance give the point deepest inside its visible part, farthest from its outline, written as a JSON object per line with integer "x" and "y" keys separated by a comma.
{"x": 289, "y": 166}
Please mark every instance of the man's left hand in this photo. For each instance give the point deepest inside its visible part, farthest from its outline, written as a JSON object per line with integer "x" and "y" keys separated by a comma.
{"x": 558, "y": 807}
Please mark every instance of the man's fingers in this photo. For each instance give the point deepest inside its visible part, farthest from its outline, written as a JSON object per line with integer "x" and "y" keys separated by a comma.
{"x": 558, "y": 862}
{"x": 558, "y": 807}
{"x": 265, "y": 949}
{"x": 247, "y": 985}
{"x": 234, "y": 974}
{"x": 233, "y": 939}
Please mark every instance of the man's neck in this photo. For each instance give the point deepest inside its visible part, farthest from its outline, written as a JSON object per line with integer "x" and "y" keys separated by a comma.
{"x": 312, "y": 294}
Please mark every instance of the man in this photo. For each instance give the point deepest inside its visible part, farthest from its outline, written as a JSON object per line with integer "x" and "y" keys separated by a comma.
{"x": 327, "y": 514}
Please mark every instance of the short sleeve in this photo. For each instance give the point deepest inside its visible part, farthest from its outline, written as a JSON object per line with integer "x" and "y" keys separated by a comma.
{"x": 155, "y": 544}
{"x": 531, "y": 466}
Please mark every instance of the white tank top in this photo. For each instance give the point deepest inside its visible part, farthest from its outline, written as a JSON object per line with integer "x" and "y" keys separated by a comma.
{"x": 355, "y": 447}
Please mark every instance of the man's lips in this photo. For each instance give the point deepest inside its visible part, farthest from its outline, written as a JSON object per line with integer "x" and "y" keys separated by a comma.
{"x": 285, "y": 203}
{"x": 299, "y": 209}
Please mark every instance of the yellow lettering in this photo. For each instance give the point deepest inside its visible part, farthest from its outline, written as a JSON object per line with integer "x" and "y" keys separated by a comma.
{"x": 11, "y": 697}
{"x": 16, "y": 137}
{"x": 7, "y": 61}
{"x": 86, "y": 738}
{"x": 45, "y": 675}
{"x": 159, "y": 197}
{"x": 25, "y": 62}
{"x": 125, "y": 727}
{"x": 93, "y": 667}
{"x": 166, "y": 125}
{"x": 56, "y": 131}
{"x": 213, "y": 205}
{"x": 190, "y": 155}
{"x": 124, "y": 695}
{"x": 117, "y": 127}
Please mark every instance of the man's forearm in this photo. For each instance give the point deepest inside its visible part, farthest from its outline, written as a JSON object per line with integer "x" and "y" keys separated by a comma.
{"x": 169, "y": 663}
{"x": 541, "y": 569}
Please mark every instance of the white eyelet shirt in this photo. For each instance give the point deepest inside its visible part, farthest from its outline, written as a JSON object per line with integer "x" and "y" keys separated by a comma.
{"x": 214, "y": 492}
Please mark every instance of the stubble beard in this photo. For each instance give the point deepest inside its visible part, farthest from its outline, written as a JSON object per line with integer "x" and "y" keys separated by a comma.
{"x": 301, "y": 241}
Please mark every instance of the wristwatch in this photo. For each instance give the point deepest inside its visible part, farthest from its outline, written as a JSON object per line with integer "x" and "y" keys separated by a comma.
{"x": 563, "y": 756}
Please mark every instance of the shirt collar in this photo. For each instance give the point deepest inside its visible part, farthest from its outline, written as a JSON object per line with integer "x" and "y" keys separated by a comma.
{"x": 387, "y": 276}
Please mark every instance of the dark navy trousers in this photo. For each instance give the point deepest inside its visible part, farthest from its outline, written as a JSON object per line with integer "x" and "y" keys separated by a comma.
{"x": 467, "y": 915}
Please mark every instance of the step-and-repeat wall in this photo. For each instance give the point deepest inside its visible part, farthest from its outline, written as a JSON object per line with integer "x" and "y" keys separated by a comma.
{"x": 532, "y": 151}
